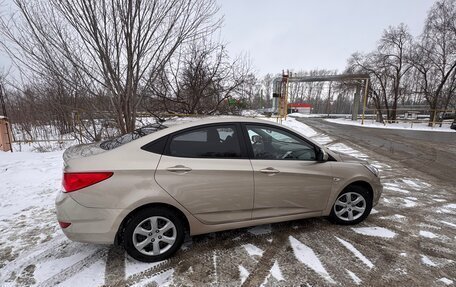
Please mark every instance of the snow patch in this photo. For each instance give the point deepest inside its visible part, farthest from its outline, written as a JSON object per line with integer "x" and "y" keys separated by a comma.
{"x": 375, "y": 231}
{"x": 427, "y": 261}
{"x": 133, "y": 266}
{"x": 162, "y": 279}
{"x": 394, "y": 217}
{"x": 90, "y": 276}
{"x": 276, "y": 273}
{"x": 52, "y": 267}
{"x": 353, "y": 276}
{"x": 427, "y": 234}
{"x": 392, "y": 188}
{"x": 307, "y": 256}
{"x": 396, "y": 126}
{"x": 409, "y": 203}
{"x": 355, "y": 251}
{"x": 243, "y": 274}
{"x": 445, "y": 281}
{"x": 449, "y": 223}
{"x": 252, "y": 250}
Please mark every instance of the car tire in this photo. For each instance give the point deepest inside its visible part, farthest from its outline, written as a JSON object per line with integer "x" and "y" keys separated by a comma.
{"x": 351, "y": 206}
{"x": 148, "y": 243}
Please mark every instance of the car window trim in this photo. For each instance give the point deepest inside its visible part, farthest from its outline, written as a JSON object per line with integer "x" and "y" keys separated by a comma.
{"x": 250, "y": 148}
{"x": 238, "y": 130}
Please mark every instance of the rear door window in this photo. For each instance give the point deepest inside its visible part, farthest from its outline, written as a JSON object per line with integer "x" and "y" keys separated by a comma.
{"x": 206, "y": 142}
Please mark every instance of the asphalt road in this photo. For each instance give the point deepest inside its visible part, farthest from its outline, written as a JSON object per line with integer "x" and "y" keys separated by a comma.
{"x": 433, "y": 153}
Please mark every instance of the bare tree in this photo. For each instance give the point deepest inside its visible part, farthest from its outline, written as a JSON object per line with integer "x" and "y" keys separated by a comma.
{"x": 116, "y": 47}
{"x": 434, "y": 56}
{"x": 394, "y": 48}
{"x": 200, "y": 79}
{"x": 375, "y": 66}
{"x": 387, "y": 66}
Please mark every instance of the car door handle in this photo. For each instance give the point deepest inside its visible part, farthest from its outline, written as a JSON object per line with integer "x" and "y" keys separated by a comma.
{"x": 179, "y": 168}
{"x": 269, "y": 170}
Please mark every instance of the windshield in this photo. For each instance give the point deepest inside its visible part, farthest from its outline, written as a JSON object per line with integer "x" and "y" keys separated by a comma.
{"x": 136, "y": 134}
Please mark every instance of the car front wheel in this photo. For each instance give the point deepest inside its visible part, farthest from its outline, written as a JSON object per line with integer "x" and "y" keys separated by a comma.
{"x": 153, "y": 235}
{"x": 352, "y": 206}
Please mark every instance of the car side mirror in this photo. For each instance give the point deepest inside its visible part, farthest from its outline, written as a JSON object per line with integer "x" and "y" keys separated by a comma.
{"x": 322, "y": 155}
{"x": 256, "y": 139}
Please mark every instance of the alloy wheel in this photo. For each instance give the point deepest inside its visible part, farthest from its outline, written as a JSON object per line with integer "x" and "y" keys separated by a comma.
{"x": 349, "y": 206}
{"x": 154, "y": 235}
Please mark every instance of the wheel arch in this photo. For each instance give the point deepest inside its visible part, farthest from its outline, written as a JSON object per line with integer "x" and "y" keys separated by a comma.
{"x": 361, "y": 183}
{"x": 120, "y": 230}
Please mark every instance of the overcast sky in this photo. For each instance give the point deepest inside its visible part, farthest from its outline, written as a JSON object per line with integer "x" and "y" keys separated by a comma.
{"x": 308, "y": 34}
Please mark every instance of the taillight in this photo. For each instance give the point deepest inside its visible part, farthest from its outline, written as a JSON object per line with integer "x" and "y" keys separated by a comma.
{"x": 64, "y": 224}
{"x": 73, "y": 181}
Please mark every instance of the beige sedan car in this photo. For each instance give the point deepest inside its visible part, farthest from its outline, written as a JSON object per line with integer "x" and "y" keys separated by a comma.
{"x": 146, "y": 189}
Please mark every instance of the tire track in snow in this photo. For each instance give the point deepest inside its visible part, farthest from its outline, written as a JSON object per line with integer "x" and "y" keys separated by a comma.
{"x": 267, "y": 260}
{"x": 115, "y": 266}
{"x": 74, "y": 269}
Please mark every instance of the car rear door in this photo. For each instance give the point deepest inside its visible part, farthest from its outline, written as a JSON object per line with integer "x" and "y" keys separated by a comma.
{"x": 288, "y": 178}
{"x": 207, "y": 170}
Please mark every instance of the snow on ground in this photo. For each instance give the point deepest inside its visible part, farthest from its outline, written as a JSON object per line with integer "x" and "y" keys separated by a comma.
{"x": 398, "y": 126}
{"x": 34, "y": 251}
{"x": 25, "y": 178}
{"x": 375, "y": 231}
{"x": 353, "y": 276}
{"x": 252, "y": 250}
{"x": 243, "y": 274}
{"x": 307, "y": 256}
{"x": 163, "y": 279}
{"x": 427, "y": 261}
{"x": 446, "y": 281}
{"x": 274, "y": 272}
{"x": 355, "y": 251}
{"x": 427, "y": 234}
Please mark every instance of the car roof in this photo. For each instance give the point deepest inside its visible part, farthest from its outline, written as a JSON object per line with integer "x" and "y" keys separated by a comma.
{"x": 177, "y": 124}
{"x": 220, "y": 119}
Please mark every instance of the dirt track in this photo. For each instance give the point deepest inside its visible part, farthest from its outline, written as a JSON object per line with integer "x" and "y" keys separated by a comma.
{"x": 412, "y": 243}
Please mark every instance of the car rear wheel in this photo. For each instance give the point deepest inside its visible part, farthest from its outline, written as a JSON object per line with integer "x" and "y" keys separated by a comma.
{"x": 352, "y": 206}
{"x": 153, "y": 235}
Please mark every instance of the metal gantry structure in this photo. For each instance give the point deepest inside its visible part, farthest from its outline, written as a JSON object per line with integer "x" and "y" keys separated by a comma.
{"x": 280, "y": 90}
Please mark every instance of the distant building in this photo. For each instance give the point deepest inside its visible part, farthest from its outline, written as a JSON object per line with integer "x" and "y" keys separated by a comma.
{"x": 299, "y": 108}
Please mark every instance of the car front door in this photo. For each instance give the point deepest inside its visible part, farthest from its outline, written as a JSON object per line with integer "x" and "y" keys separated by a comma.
{"x": 207, "y": 170}
{"x": 288, "y": 178}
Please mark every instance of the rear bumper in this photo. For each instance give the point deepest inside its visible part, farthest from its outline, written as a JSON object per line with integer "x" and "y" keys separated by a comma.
{"x": 94, "y": 225}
